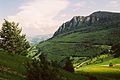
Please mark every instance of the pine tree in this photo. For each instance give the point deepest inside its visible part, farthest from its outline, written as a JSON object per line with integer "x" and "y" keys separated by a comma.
{"x": 12, "y": 39}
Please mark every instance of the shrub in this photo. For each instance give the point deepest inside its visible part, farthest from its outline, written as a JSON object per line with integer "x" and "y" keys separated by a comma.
{"x": 110, "y": 65}
{"x": 42, "y": 70}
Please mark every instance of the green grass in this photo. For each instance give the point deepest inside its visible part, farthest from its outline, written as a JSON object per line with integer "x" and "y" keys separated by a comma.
{"x": 102, "y": 70}
{"x": 15, "y": 63}
{"x": 80, "y": 44}
{"x": 114, "y": 61}
{"x": 106, "y": 36}
{"x": 87, "y": 45}
{"x": 73, "y": 76}
{"x": 12, "y": 63}
{"x": 60, "y": 50}
{"x": 8, "y": 76}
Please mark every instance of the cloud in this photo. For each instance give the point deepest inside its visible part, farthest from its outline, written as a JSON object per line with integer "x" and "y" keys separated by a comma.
{"x": 86, "y": 7}
{"x": 113, "y": 5}
{"x": 80, "y": 4}
{"x": 37, "y": 16}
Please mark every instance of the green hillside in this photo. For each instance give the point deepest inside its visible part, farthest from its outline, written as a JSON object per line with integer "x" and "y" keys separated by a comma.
{"x": 81, "y": 44}
{"x": 86, "y": 36}
{"x": 107, "y": 36}
{"x": 12, "y": 67}
{"x": 88, "y": 44}
{"x": 102, "y": 70}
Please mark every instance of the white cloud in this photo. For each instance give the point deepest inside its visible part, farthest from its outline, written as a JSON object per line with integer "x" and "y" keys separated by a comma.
{"x": 113, "y": 5}
{"x": 36, "y": 16}
{"x": 80, "y": 4}
{"x": 86, "y": 7}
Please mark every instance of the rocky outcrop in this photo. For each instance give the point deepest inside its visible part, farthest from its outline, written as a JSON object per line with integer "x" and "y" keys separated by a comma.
{"x": 99, "y": 18}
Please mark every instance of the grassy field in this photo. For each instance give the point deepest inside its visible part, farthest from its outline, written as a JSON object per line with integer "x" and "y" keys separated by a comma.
{"x": 102, "y": 71}
{"x": 73, "y": 76}
{"x": 12, "y": 66}
{"x": 106, "y": 36}
{"x": 85, "y": 47}
{"x": 58, "y": 51}
{"x": 80, "y": 44}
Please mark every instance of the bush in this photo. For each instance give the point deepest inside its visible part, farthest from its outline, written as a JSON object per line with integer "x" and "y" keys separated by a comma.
{"x": 67, "y": 64}
{"x": 116, "y": 50}
{"x": 42, "y": 70}
{"x": 110, "y": 65}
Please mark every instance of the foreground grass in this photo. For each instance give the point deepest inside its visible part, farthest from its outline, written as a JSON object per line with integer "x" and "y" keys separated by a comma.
{"x": 12, "y": 67}
{"x": 73, "y": 76}
{"x": 102, "y": 71}
{"x": 9, "y": 76}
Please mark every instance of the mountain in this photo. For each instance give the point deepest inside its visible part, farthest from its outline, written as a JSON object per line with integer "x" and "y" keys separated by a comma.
{"x": 94, "y": 21}
{"x": 89, "y": 42}
{"x": 84, "y": 37}
{"x": 38, "y": 38}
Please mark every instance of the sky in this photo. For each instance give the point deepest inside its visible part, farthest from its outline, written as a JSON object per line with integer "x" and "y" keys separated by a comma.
{"x": 41, "y": 17}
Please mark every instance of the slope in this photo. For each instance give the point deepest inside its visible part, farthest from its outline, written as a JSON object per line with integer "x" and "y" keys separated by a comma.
{"x": 12, "y": 67}
{"x": 80, "y": 44}
{"x": 102, "y": 70}
{"x": 86, "y": 36}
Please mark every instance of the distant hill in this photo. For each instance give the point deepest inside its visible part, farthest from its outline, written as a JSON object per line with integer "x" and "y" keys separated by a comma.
{"x": 38, "y": 38}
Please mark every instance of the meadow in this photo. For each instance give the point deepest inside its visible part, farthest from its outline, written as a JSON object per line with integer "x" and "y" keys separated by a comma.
{"x": 102, "y": 71}
{"x": 12, "y": 67}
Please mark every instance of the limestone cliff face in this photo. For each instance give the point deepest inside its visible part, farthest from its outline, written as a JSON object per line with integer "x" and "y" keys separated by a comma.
{"x": 99, "y": 18}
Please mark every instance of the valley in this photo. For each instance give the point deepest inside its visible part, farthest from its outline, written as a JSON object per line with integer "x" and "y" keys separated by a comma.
{"x": 90, "y": 44}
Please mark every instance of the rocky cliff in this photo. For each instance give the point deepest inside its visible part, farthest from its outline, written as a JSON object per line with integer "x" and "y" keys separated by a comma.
{"x": 94, "y": 21}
